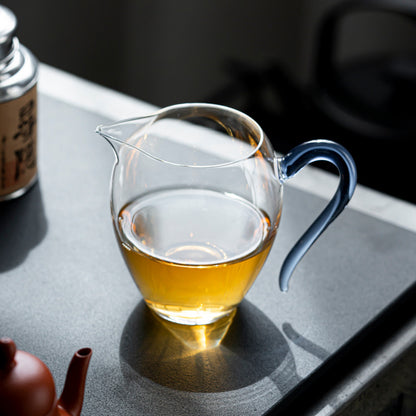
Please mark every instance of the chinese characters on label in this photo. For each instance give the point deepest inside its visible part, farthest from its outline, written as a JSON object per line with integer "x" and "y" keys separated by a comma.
{"x": 18, "y": 143}
{"x": 25, "y": 156}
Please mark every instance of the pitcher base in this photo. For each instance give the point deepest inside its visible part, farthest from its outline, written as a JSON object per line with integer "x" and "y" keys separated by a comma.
{"x": 188, "y": 316}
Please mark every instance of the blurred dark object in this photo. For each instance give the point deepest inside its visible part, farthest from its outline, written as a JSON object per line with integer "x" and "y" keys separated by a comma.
{"x": 366, "y": 104}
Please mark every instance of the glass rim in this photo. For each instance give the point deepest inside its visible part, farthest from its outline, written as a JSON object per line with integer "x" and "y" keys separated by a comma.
{"x": 164, "y": 112}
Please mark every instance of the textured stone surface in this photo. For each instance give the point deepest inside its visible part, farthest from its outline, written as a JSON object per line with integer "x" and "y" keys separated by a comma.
{"x": 63, "y": 286}
{"x": 393, "y": 393}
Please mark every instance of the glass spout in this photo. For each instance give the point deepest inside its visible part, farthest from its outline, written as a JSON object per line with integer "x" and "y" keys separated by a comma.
{"x": 125, "y": 132}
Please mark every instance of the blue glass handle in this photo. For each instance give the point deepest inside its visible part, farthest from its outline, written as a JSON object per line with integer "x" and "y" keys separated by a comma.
{"x": 293, "y": 162}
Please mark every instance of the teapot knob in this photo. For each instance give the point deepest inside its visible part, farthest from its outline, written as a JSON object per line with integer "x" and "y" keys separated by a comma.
{"x": 7, "y": 352}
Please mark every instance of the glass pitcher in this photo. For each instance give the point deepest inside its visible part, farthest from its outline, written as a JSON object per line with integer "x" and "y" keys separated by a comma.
{"x": 196, "y": 201}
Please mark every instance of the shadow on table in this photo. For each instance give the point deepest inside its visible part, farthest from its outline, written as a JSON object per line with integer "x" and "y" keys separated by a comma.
{"x": 22, "y": 226}
{"x": 304, "y": 343}
{"x": 252, "y": 348}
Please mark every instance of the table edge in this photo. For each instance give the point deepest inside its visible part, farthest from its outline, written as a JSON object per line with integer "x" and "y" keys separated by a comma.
{"x": 104, "y": 101}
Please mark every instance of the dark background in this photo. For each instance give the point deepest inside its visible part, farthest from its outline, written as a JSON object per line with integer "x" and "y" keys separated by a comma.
{"x": 258, "y": 56}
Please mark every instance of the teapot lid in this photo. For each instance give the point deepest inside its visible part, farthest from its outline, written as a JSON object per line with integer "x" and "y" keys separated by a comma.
{"x": 26, "y": 384}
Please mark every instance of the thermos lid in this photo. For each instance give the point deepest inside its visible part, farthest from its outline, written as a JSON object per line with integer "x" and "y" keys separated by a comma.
{"x": 8, "y": 25}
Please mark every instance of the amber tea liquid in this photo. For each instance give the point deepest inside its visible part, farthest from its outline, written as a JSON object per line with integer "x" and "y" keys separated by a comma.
{"x": 193, "y": 253}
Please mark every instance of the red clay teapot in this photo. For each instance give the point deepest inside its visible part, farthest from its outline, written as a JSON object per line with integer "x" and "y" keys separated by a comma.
{"x": 27, "y": 387}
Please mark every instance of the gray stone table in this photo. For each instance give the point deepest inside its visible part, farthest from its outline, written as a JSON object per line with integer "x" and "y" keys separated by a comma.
{"x": 63, "y": 283}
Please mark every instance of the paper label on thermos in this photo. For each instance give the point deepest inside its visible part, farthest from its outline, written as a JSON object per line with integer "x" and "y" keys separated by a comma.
{"x": 18, "y": 128}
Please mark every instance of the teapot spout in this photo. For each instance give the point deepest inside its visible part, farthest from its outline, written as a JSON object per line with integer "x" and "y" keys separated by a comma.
{"x": 72, "y": 396}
